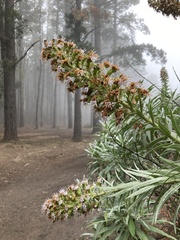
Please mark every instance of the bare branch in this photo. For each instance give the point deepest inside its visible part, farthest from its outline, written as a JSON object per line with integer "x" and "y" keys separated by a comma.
{"x": 24, "y": 55}
{"x": 87, "y": 34}
{"x": 16, "y": 2}
{"x": 154, "y": 85}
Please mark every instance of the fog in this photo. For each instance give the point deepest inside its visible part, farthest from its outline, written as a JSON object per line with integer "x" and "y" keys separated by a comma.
{"x": 165, "y": 34}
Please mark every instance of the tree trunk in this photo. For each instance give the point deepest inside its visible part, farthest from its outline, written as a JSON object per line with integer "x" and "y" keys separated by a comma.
{"x": 54, "y": 125}
{"x": 21, "y": 87}
{"x": 39, "y": 92}
{"x": 69, "y": 95}
{"x": 97, "y": 46}
{"x": 42, "y": 97}
{"x": 8, "y": 62}
{"x": 38, "y": 96}
{"x": 77, "y": 136}
{"x": 115, "y": 32}
{"x": 21, "y": 77}
{"x": 70, "y": 118}
{"x": 97, "y": 31}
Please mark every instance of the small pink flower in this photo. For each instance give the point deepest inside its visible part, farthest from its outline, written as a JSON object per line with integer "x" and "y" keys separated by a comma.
{"x": 84, "y": 181}
{"x": 60, "y": 202}
{"x": 84, "y": 207}
{"x": 86, "y": 89}
{"x": 63, "y": 192}
{"x": 59, "y": 45}
{"x": 49, "y": 44}
{"x": 44, "y": 208}
{"x": 88, "y": 187}
{"x": 70, "y": 79}
{"x": 74, "y": 187}
{"x": 56, "y": 196}
{"x": 81, "y": 199}
{"x": 110, "y": 82}
{"x": 60, "y": 69}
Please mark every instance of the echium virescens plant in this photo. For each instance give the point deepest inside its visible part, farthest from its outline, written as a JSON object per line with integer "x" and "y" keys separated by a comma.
{"x": 110, "y": 94}
{"x": 79, "y": 198}
{"x": 165, "y": 89}
{"x": 137, "y": 155}
{"x": 80, "y": 70}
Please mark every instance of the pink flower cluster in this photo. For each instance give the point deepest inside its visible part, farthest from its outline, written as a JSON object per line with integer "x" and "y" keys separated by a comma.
{"x": 76, "y": 199}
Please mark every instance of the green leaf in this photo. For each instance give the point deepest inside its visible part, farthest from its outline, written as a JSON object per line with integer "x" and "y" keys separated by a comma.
{"x": 142, "y": 235}
{"x": 164, "y": 198}
{"x": 110, "y": 230}
{"x": 125, "y": 236}
{"x": 163, "y": 129}
{"x": 142, "y": 190}
{"x": 121, "y": 231}
{"x": 168, "y": 162}
{"x": 106, "y": 216}
{"x": 175, "y": 124}
{"x": 172, "y": 147}
{"x": 131, "y": 227}
{"x": 157, "y": 230}
{"x": 151, "y": 112}
{"x": 155, "y": 141}
{"x": 176, "y": 214}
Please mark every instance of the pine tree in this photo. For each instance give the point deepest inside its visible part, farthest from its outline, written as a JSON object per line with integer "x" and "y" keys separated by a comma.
{"x": 7, "y": 38}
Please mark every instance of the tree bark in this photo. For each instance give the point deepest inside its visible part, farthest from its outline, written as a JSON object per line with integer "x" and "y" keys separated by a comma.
{"x": 39, "y": 92}
{"x": 38, "y": 96}
{"x": 97, "y": 46}
{"x": 115, "y": 32}
{"x": 8, "y": 62}
{"x": 77, "y": 135}
{"x": 70, "y": 109}
{"x": 21, "y": 77}
{"x": 69, "y": 95}
{"x": 42, "y": 97}
{"x": 54, "y": 125}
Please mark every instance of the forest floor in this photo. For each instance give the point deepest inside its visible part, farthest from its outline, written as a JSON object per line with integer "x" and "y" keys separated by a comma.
{"x": 42, "y": 162}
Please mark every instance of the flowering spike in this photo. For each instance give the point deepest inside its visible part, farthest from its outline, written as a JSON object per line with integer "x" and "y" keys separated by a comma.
{"x": 79, "y": 69}
{"x": 76, "y": 199}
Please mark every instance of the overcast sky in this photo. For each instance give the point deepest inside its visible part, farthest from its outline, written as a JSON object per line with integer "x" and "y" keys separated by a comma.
{"x": 165, "y": 34}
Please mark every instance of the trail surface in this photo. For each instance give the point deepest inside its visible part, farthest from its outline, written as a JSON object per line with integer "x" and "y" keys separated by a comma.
{"x": 32, "y": 170}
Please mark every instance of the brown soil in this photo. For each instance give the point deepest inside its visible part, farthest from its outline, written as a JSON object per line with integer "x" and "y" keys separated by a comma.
{"x": 41, "y": 163}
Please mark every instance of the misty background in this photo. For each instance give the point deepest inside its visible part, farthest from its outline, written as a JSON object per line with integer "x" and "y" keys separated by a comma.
{"x": 164, "y": 34}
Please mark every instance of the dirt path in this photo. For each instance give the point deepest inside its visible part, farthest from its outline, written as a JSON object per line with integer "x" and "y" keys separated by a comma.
{"x": 31, "y": 171}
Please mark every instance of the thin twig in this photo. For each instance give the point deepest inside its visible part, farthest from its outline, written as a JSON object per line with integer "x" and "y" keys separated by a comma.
{"x": 144, "y": 168}
{"x": 87, "y": 34}
{"x": 24, "y": 55}
{"x": 131, "y": 151}
{"x": 146, "y": 79}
